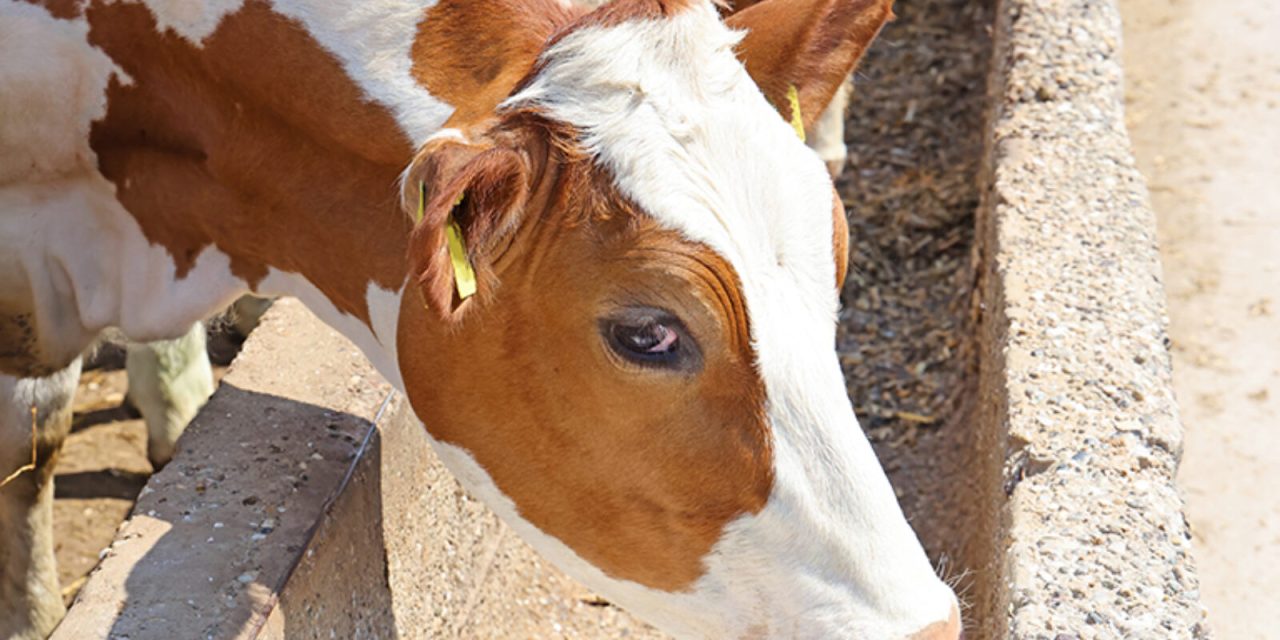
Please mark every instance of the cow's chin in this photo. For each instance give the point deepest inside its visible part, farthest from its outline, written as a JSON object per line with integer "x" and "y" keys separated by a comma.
{"x": 761, "y": 580}
{"x": 764, "y": 581}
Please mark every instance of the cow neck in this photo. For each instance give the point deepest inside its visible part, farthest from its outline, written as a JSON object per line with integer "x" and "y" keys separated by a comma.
{"x": 257, "y": 144}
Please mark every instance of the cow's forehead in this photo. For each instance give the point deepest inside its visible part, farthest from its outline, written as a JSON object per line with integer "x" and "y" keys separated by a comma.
{"x": 665, "y": 106}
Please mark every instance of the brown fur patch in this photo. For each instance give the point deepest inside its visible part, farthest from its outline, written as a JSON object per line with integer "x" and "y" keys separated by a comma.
{"x": 472, "y": 54}
{"x": 62, "y": 9}
{"x": 840, "y": 238}
{"x": 257, "y": 144}
{"x": 636, "y": 470}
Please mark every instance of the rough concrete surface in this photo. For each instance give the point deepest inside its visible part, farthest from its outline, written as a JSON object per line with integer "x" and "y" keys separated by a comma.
{"x": 1205, "y": 121}
{"x": 1076, "y": 366}
{"x": 215, "y": 534}
{"x": 103, "y": 463}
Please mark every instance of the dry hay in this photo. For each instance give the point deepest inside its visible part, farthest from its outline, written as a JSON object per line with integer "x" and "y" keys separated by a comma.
{"x": 911, "y": 190}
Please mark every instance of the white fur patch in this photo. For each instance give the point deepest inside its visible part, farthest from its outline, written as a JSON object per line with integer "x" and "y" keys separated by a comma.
{"x": 668, "y": 109}
{"x": 373, "y": 39}
{"x": 169, "y": 381}
{"x": 52, "y": 87}
{"x": 384, "y": 316}
{"x": 382, "y": 305}
{"x": 194, "y": 20}
{"x": 71, "y": 249}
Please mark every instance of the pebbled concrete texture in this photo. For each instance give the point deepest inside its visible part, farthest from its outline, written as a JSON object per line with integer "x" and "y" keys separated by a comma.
{"x": 1075, "y": 374}
{"x": 215, "y": 535}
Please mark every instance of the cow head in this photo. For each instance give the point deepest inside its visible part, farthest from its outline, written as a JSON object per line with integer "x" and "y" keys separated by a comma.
{"x": 644, "y": 384}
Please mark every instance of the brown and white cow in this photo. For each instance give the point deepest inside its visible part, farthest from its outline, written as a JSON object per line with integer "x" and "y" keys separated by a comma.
{"x": 644, "y": 385}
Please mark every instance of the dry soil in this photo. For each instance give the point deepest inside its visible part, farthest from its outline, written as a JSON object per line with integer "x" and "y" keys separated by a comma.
{"x": 103, "y": 464}
{"x": 1203, "y": 108}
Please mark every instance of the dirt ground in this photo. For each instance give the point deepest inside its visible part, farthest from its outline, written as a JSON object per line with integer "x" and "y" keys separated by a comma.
{"x": 1203, "y": 107}
{"x": 104, "y": 464}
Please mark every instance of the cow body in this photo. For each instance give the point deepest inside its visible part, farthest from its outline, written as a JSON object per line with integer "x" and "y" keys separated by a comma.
{"x": 653, "y": 252}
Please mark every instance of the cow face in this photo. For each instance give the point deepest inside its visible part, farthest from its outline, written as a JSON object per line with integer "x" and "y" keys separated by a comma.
{"x": 644, "y": 384}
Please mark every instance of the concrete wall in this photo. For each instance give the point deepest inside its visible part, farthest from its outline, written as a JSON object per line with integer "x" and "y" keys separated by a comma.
{"x": 216, "y": 535}
{"x": 1075, "y": 379}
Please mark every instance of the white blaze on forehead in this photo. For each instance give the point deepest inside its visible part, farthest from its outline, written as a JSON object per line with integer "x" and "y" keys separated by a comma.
{"x": 665, "y": 106}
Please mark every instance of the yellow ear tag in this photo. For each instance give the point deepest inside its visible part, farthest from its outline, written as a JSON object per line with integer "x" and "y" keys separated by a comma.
{"x": 464, "y": 276}
{"x": 797, "y": 121}
{"x": 421, "y": 202}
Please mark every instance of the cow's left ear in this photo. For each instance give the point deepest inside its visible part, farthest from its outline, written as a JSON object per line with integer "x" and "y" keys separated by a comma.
{"x": 466, "y": 198}
{"x": 812, "y": 45}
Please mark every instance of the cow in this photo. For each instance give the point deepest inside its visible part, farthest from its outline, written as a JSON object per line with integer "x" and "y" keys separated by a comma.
{"x": 589, "y": 247}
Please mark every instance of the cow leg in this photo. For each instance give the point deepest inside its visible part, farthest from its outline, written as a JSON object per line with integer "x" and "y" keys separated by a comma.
{"x": 247, "y": 312}
{"x": 169, "y": 381}
{"x": 827, "y": 135}
{"x": 30, "y": 600}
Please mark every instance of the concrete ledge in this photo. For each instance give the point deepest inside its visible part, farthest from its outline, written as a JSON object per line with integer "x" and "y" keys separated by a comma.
{"x": 216, "y": 535}
{"x": 1075, "y": 365}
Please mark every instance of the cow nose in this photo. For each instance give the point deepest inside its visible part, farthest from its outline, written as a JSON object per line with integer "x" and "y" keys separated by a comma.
{"x": 948, "y": 629}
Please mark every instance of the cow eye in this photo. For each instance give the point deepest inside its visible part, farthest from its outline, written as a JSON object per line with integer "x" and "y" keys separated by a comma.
{"x": 650, "y": 337}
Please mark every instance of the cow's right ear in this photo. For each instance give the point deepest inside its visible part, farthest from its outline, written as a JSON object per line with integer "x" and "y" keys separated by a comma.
{"x": 800, "y": 52}
{"x": 465, "y": 199}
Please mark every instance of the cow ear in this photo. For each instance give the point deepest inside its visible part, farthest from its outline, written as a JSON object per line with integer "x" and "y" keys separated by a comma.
{"x": 840, "y": 238}
{"x": 812, "y": 45}
{"x": 465, "y": 198}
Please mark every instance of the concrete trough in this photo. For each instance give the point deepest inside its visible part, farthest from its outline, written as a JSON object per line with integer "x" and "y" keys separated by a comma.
{"x": 304, "y": 501}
